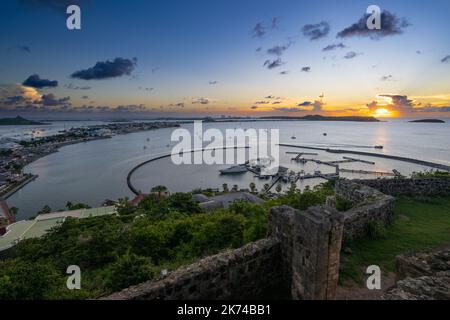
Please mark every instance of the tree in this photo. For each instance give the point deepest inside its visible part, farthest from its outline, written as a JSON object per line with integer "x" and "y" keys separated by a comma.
{"x": 252, "y": 187}
{"x": 124, "y": 207}
{"x": 235, "y": 188}
{"x": 159, "y": 190}
{"x": 225, "y": 187}
{"x": 278, "y": 188}
{"x": 266, "y": 187}
{"x": 46, "y": 209}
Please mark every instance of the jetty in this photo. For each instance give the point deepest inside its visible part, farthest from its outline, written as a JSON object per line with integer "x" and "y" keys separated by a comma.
{"x": 377, "y": 155}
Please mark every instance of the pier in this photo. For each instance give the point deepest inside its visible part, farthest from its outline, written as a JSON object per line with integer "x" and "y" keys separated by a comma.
{"x": 378, "y": 155}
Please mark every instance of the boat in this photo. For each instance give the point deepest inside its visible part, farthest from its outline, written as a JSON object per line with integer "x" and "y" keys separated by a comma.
{"x": 293, "y": 137}
{"x": 325, "y": 134}
{"x": 234, "y": 170}
{"x": 378, "y": 147}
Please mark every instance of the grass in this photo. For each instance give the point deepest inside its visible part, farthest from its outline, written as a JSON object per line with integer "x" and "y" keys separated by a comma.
{"x": 419, "y": 224}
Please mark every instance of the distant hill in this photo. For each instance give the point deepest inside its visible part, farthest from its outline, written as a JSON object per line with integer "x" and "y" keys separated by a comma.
{"x": 18, "y": 121}
{"x": 324, "y": 118}
{"x": 428, "y": 121}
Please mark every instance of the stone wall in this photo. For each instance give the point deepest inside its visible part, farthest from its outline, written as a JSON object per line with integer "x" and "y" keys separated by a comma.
{"x": 310, "y": 243}
{"x": 250, "y": 272}
{"x": 425, "y": 187}
{"x": 368, "y": 205}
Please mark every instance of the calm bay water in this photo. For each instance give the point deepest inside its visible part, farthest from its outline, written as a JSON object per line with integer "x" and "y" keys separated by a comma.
{"x": 95, "y": 171}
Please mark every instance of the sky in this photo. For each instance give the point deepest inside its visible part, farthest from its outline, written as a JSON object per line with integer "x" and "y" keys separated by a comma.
{"x": 147, "y": 58}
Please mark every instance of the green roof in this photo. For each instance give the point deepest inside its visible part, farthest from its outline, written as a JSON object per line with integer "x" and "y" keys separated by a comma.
{"x": 39, "y": 226}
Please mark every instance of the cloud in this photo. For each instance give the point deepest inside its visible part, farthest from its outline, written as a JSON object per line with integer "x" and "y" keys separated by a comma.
{"x": 293, "y": 109}
{"x": 271, "y": 64}
{"x": 305, "y": 104}
{"x": 387, "y": 78}
{"x": 107, "y": 69}
{"x": 316, "y": 31}
{"x": 50, "y": 100}
{"x": 278, "y": 50}
{"x": 446, "y": 59}
{"x": 262, "y": 102}
{"x": 179, "y": 104}
{"x": 284, "y": 72}
{"x": 269, "y": 97}
{"x": 306, "y": 69}
{"x": 200, "y": 101}
{"x": 390, "y": 25}
{"x": 431, "y": 108}
{"x": 259, "y": 30}
{"x": 21, "y": 47}
{"x": 146, "y": 89}
{"x": 276, "y": 102}
{"x": 36, "y": 82}
{"x": 85, "y": 97}
{"x": 331, "y": 47}
{"x": 72, "y": 87}
{"x": 254, "y": 107}
{"x": 351, "y": 55}
{"x": 275, "y": 22}
{"x": 213, "y": 82}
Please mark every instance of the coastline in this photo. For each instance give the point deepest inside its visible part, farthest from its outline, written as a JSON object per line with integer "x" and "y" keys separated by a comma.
{"x": 55, "y": 147}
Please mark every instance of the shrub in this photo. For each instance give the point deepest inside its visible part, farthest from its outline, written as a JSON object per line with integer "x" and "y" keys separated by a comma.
{"x": 375, "y": 229}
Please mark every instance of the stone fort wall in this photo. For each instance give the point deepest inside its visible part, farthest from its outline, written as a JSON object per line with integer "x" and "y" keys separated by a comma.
{"x": 301, "y": 257}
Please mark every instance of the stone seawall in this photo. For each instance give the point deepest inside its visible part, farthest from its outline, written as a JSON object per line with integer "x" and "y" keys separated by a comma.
{"x": 425, "y": 187}
{"x": 368, "y": 205}
{"x": 250, "y": 272}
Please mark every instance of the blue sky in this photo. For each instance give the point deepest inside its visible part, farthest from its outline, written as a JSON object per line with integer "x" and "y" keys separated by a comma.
{"x": 200, "y": 57}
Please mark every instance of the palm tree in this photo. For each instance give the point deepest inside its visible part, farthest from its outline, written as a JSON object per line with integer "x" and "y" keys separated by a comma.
{"x": 266, "y": 187}
{"x": 235, "y": 188}
{"x": 159, "y": 189}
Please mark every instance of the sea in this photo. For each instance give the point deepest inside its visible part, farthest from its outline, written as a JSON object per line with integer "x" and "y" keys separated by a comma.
{"x": 95, "y": 171}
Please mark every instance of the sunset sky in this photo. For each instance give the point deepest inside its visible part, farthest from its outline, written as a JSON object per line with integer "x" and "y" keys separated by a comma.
{"x": 145, "y": 58}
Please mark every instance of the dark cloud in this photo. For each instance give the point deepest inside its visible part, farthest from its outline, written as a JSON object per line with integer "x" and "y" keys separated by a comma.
{"x": 316, "y": 31}
{"x": 259, "y": 30}
{"x": 269, "y": 97}
{"x": 390, "y": 25}
{"x": 306, "y": 69}
{"x": 85, "y": 97}
{"x": 284, "y": 72}
{"x": 200, "y": 101}
{"x": 36, "y": 82}
{"x": 331, "y": 47}
{"x": 262, "y": 102}
{"x": 305, "y": 104}
{"x": 271, "y": 64}
{"x": 351, "y": 55}
{"x": 213, "y": 82}
{"x": 278, "y": 50}
{"x": 50, "y": 100}
{"x": 146, "y": 89}
{"x": 276, "y": 102}
{"x": 446, "y": 59}
{"x": 107, "y": 69}
{"x": 254, "y": 107}
{"x": 13, "y": 100}
{"x": 431, "y": 108}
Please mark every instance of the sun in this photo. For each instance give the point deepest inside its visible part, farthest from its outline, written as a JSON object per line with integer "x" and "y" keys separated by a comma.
{"x": 382, "y": 112}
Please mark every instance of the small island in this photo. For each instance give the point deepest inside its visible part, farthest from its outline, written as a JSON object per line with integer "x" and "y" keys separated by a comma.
{"x": 428, "y": 121}
{"x": 18, "y": 121}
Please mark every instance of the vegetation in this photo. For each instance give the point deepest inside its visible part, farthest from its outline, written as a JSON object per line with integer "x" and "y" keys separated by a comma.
{"x": 431, "y": 174}
{"x": 418, "y": 225}
{"x": 115, "y": 252}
